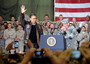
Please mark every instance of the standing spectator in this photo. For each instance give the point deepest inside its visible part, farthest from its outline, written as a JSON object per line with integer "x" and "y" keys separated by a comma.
{"x": 59, "y": 28}
{"x": 20, "y": 38}
{"x": 65, "y": 25}
{"x": 16, "y": 25}
{"x": 52, "y": 28}
{"x": 87, "y": 25}
{"x": 76, "y": 25}
{"x": 2, "y": 41}
{"x": 71, "y": 41}
{"x": 46, "y": 29}
{"x": 13, "y": 21}
{"x": 46, "y": 19}
{"x": 83, "y": 36}
{"x": 1, "y": 19}
{"x": 5, "y": 24}
{"x": 9, "y": 35}
{"x": 60, "y": 21}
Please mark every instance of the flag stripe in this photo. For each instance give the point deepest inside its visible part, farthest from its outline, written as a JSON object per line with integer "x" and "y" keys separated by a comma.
{"x": 70, "y": 18}
{"x": 67, "y": 14}
{"x": 72, "y": 1}
{"x": 66, "y": 5}
{"x": 72, "y": 10}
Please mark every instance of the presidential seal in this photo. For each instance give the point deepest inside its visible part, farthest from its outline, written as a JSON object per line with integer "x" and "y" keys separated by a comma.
{"x": 51, "y": 41}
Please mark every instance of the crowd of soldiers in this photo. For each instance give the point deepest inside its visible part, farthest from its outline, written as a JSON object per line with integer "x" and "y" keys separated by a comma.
{"x": 74, "y": 33}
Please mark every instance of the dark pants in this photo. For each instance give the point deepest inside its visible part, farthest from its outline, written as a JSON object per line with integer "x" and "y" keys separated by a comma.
{"x": 35, "y": 45}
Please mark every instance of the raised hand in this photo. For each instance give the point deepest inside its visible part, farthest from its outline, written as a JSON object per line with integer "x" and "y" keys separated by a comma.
{"x": 23, "y": 10}
{"x": 28, "y": 55}
{"x": 86, "y": 53}
{"x": 64, "y": 57}
{"x": 50, "y": 55}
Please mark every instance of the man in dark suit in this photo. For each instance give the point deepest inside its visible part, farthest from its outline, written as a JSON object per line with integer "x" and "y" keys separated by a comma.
{"x": 32, "y": 29}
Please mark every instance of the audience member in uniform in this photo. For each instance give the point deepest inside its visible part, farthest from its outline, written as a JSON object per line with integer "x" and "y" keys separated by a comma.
{"x": 70, "y": 37}
{"x": 46, "y": 19}
{"x": 13, "y": 20}
{"x": 52, "y": 28}
{"x": 9, "y": 35}
{"x": 46, "y": 29}
{"x": 2, "y": 41}
{"x": 65, "y": 25}
{"x": 76, "y": 25}
{"x": 83, "y": 36}
{"x": 20, "y": 38}
{"x": 1, "y": 19}
{"x": 60, "y": 21}
{"x": 5, "y": 24}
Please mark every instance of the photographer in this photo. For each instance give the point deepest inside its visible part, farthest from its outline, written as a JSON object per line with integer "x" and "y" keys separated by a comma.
{"x": 31, "y": 53}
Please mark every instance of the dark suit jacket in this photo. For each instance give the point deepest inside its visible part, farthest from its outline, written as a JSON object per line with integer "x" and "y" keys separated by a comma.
{"x": 39, "y": 30}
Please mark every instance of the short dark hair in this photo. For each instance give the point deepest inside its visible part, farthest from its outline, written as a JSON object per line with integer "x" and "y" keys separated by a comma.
{"x": 60, "y": 15}
{"x": 32, "y": 14}
{"x": 20, "y": 25}
{"x": 10, "y": 23}
{"x": 46, "y": 15}
{"x": 12, "y": 16}
{"x": 5, "y": 22}
{"x": 84, "y": 27}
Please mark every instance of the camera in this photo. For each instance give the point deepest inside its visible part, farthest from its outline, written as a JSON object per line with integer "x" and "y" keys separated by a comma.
{"x": 25, "y": 41}
{"x": 76, "y": 54}
{"x": 39, "y": 53}
{"x": 16, "y": 44}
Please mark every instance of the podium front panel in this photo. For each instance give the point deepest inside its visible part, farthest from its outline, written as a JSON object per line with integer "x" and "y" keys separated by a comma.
{"x": 54, "y": 42}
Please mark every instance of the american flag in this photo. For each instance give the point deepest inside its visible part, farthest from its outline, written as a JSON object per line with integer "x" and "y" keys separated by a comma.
{"x": 72, "y": 8}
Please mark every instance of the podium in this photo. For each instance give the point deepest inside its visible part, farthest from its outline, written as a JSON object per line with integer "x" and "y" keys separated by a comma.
{"x": 54, "y": 42}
